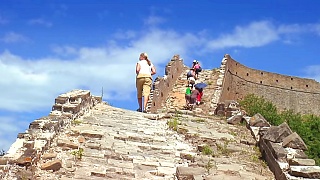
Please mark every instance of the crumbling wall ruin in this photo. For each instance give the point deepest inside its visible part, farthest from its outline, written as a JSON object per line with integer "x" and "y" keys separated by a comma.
{"x": 283, "y": 150}
{"x": 31, "y": 144}
{"x": 287, "y": 92}
{"x": 163, "y": 85}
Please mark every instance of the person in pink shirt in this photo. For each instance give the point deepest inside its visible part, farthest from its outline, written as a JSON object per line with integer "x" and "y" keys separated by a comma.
{"x": 197, "y": 68}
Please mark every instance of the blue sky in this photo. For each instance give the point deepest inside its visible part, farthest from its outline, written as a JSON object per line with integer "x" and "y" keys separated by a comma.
{"x": 51, "y": 47}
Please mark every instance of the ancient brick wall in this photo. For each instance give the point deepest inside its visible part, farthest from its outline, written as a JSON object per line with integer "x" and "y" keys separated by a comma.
{"x": 38, "y": 137}
{"x": 163, "y": 85}
{"x": 286, "y": 92}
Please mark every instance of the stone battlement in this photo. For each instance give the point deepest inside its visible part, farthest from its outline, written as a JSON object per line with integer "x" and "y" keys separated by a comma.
{"x": 287, "y": 92}
{"x": 283, "y": 150}
{"x": 38, "y": 137}
{"x": 163, "y": 85}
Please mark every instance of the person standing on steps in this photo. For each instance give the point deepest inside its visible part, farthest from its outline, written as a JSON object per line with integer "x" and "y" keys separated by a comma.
{"x": 144, "y": 71}
{"x": 199, "y": 96}
{"x": 194, "y": 62}
{"x": 191, "y": 76}
{"x": 188, "y": 95}
{"x": 197, "y": 68}
{"x": 194, "y": 96}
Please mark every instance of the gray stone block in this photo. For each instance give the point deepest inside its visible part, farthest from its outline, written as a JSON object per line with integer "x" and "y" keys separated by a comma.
{"x": 305, "y": 171}
{"x": 276, "y": 134}
{"x": 294, "y": 141}
{"x": 277, "y": 150}
{"x": 258, "y": 121}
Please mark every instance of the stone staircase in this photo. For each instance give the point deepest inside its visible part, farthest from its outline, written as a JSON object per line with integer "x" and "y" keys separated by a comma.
{"x": 176, "y": 99}
{"x": 122, "y": 144}
{"x": 110, "y": 143}
{"x": 210, "y": 78}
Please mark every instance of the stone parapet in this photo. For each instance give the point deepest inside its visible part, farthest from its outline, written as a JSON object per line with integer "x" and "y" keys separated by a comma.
{"x": 283, "y": 150}
{"x": 219, "y": 107}
{"x": 29, "y": 145}
{"x": 74, "y": 103}
{"x": 163, "y": 85}
{"x": 302, "y": 95}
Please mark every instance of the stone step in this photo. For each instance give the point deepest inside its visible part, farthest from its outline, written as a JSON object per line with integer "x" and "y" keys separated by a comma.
{"x": 133, "y": 147}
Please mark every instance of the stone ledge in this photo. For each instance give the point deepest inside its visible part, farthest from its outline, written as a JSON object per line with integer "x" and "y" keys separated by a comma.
{"x": 30, "y": 145}
{"x": 283, "y": 151}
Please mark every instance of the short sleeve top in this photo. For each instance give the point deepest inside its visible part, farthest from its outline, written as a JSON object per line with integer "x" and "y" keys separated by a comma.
{"x": 145, "y": 68}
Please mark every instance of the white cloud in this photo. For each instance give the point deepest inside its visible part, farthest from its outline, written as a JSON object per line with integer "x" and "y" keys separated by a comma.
{"x": 29, "y": 84}
{"x": 256, "y": 34}
{"x": 260, "y": 33}
{"x": 315, "y": 28}
{"x": 290, "y": 28}
{"x": 13, "y": 37}
{"x": 64, "y": 50}
{"x": 313, "y": 72}
{"x": 40, "y": 21}
{"x": 299, "y": 28}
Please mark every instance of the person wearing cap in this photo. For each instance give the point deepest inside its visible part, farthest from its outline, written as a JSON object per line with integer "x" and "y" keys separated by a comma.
{"x": 194, "y": 63}
{"x": 144, "y": 71}
{"x": 191, "y": 76}
{"x": 198, "y": 69}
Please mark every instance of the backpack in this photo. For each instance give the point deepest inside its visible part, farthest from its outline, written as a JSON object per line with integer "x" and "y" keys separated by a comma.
{"x": 198, "y": 68}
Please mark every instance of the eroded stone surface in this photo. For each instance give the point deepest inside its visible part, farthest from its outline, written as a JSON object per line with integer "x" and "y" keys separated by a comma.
{"x": 294, "y": 141}
{"x": 305, "y": 171}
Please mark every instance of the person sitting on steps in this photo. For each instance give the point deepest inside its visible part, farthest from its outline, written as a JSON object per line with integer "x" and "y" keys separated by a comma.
{"x": 144, "y": 71}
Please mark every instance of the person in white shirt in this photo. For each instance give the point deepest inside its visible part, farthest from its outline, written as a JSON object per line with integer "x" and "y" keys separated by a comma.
{"x": 144, "y": 70}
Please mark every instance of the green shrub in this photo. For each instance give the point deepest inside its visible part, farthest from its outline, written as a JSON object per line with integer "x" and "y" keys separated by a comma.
{"x": 78, "y": 153}
{"x": 207, "y": 150}
{"x": 254, "y": 104}
{"x": 173, "y": 124}
{"x": 307, "y": 126}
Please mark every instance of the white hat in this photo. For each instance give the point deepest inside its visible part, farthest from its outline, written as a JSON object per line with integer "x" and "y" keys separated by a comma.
{"x": 194, "y": 60}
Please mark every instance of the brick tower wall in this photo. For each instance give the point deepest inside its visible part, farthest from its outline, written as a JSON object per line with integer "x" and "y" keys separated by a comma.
{"x": 286, "y": 92}
{"x": 163, "y": 85}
